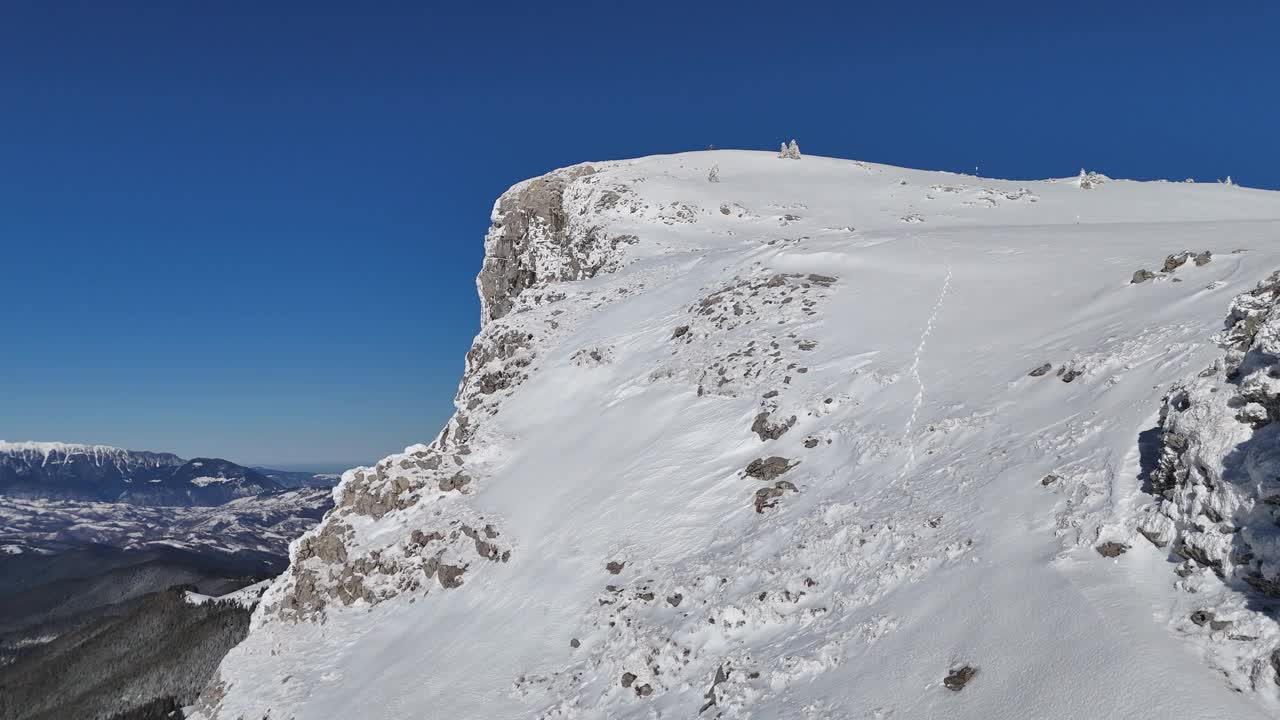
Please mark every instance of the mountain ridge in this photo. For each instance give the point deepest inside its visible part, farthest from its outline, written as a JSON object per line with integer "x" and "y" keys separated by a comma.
{"x": 73, "y": 471}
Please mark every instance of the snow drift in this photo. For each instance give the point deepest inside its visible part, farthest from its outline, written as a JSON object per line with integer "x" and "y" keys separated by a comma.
{"x": 821, "y": 439}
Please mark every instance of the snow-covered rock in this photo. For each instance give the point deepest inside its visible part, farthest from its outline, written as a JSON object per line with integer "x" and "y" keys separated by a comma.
{"x": 763, "y": 448}
{"x": 1218, "y": 480}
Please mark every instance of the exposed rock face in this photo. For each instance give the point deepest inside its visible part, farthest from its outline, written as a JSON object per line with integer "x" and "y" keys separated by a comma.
{"x": 537, "y": 237}
{"x": 1218, "y": 474}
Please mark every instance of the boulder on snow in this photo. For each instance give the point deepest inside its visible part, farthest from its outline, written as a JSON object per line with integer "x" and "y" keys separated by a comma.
{"x": 450, "y": 576}
{"x": 1111, "y": 549}
{"x": 767, "y": 497}
{"x": 1142, "y": 276}
{"x": 767, "y": 469}
{"x": 771, "y": 431}
{"x": 1201, "y": 617}
{"x": 1177, "y": 260}
{"x": 959, "y": 677}
{"x": 1042, "y": 370}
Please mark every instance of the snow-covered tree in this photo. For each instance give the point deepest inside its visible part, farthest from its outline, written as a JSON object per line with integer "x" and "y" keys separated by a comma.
{"x": 1228, "y": 181}
{"x": 714, "y": 175}
{"x": 790, "y": 152}
{"x": 782, "y": 150}
{"x": 1090, "y": 180}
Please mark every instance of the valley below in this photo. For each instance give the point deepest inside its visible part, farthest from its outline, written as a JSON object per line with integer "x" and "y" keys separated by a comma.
{"x": 123, "y": 610}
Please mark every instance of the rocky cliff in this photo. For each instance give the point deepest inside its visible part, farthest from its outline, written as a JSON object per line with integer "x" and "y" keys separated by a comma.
{"x": 538, "y": 239}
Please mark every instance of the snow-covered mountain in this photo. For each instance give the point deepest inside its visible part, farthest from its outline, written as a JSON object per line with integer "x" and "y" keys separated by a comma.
{"x": 103, "y": 473}
{"x": 98, "y": 472}
{"x": 819, "y": 438}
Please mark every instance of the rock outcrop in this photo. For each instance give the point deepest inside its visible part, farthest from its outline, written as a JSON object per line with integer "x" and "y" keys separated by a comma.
{"x": 1218, "y": 474}
{"x": 538, "y": 236}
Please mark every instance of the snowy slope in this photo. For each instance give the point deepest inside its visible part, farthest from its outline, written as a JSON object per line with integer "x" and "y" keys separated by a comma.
{"x": 590, "y": 537}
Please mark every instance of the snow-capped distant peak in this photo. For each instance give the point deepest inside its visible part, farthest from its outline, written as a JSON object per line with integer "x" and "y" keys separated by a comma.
{"x": 104, "y": 473}
{"x": 45, "y": 448}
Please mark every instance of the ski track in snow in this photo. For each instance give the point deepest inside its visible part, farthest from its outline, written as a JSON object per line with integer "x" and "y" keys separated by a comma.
{"x": 915, "y": 369}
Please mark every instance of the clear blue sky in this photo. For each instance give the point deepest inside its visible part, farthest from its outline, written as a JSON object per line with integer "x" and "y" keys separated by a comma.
{"x": 250, "y": 229}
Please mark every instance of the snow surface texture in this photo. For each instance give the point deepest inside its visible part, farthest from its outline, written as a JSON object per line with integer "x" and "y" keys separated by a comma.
{"x": 823, "y": 439}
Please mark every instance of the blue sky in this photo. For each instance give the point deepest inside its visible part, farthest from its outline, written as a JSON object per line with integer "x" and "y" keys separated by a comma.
{"x": 251, "y": 229}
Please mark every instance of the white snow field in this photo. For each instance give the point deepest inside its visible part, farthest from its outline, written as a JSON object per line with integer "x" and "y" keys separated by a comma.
{"x": 648, "y": 334}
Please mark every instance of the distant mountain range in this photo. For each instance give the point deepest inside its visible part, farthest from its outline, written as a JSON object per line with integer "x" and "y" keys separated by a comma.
{"x": 98, "y": 548}
{"x": 100, "y": 473}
